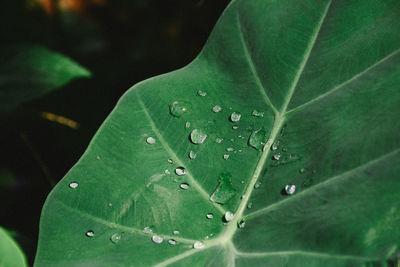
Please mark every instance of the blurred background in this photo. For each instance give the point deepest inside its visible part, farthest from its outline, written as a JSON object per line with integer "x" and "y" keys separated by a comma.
{"x": 120, "y": 42}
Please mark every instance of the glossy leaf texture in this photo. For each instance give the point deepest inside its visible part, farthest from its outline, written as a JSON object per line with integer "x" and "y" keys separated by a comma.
{"x": 30, "y": 71}
{"x": 289, "y": 115}
{"x": 11, "y": 254}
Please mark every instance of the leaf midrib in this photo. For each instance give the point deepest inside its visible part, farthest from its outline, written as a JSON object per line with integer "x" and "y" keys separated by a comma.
{"x": 227, "y": 235}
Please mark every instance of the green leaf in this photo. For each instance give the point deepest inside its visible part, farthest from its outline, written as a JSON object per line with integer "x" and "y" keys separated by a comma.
{"x": 29, "y": 72}
{"x": 11, "y": 254}
{"x": 325, "y": 73}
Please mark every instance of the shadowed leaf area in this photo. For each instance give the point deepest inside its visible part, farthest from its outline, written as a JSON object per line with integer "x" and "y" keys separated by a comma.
{"x": 277, "y": 146}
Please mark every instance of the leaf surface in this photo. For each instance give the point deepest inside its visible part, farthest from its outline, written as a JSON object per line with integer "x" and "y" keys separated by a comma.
{"x": 316, "y": 83}
{"x": 10, "y": 253}
{"x": 28, "y": 72}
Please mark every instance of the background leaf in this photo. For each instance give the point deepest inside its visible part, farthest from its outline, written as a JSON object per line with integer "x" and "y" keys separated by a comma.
{"x": 325, "y": 77}
{"x": 28, "y": 72}
{"x": 10, "y": 253}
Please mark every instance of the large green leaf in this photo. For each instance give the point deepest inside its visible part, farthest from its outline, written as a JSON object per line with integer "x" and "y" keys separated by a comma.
{"x": 28, "y": 72}
{"x": 325, "y": 73}
{"x": 10, "y": 253}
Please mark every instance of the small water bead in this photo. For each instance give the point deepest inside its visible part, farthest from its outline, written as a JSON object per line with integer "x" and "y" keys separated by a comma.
{"x": 290, "y": 189}
{"x": 157, "y": 239}
{"x": 209, "y": 216}
{"x": 228, "y": 216}
{"x": 110, "y": 204}
{"x": 235, "y": 117}
{"x": 172, "y": 242}
{"x": 243, "y": 197}
{"x": 150, "y": 140}
{"x": 285, "y": 160}
{"x": 250, "y": 205}
{"x": 184, "y": 186}
{"x": 197, "y": 136}
{"x": 180, "y": 171}
{"x": 256, "y": 113}
{"x": 73, "y": 185}
{"x": 170, "y": 161}
{"x": 235, "y": 127}
{"x": 302, "y": 170}
{"x": 241, "y": 224}
{"x": 257, "y": 185}
{"x": 147, "y": 230}
{"x": 178, "y": 108}
{"x": 275, "y": 145}
{"x": 224, "y": 190}
{"x": 219, "y": 140}
{"x": 167, "y": 172}
{"x": 258, "y": 139}
{"x": 226, "y": 156}
{"x": 115, "y": 238}
{"x": 187, "y": 125}
{"x": 192, "y": 155}
{"x": 175, "y": 232}
{"x": 229, "y": 149}
{"x": 199, "y": 245}
{"x": 216, "y": 109}
{"x": 201, "y": 93}
{"x": 98, "y": 157}
{"x": 239, "y": 150}
{"x": 90, "y": 233}
{"x": 276, "y": 156}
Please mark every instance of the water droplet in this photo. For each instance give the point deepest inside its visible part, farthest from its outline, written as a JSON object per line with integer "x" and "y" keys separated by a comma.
{"x": 243, "y": 197}
{"x": 187, "y": 125}
{"x": 241, "y": 224}
{"x": 276, "y": 156}
{"x": 172, "y": 242}
{"x": 192, "y": 155}
{"x": 302, "y": 170}
{"x": 285, "y": 160}
{"x": 226, "y": 156}
{"x": 201, "y": 93}
{"x": 110, "y": 204}
{"x": 197, "y": 136}
{"x": 258, "y": 139}
{"x": 256, "y": 113}
{"x": 98, "y": 157}
{"x": 170, "y": 161}
{"x": 115, "y": 238}
{"x": 199, "y": 245}
{"x": 228, "y": 216}
{"x": 235, "y": 117}
{"x": 150, "y": 140}
{"x": 290, "y": 189}
{"x": 257, "y": 185}
{"x": 275, "y": 145}
{"x": 224, "y": 190}
{"x": 178, "y": 108}
{"x": 157, "y": 239}
{"x": 167, "y": 172}
{"x": 147, "y": 230}
{"x": 180, "y": 171}
{"x": 250, "y": 205}
{"x": 90, "y": 233}
{"x": 73, "y": 185}
{"x": 175, "y": 232}
{"x": 184, "y": 186}
{"x": 219, "y": 140}
{"x": 216, "y": 109}
{"x": 235, "y": 127}
{"x": 209, "y": 216}
{"x": 239, "y": 150}
{"x": 229, "y": 149}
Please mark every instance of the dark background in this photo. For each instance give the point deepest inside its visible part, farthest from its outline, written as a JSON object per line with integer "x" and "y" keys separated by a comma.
{"x": 121, "y": 42}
